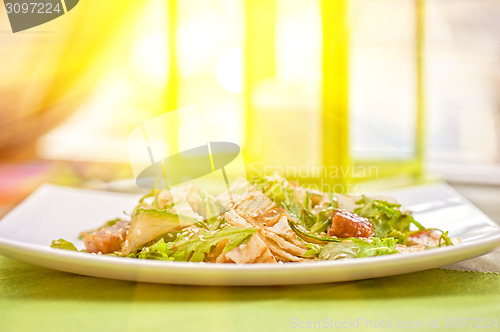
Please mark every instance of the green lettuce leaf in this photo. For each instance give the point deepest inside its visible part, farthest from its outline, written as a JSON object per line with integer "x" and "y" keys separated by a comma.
{"x": 197, "y": 248}
{"x": 387, "y": 219}
{"x": 314, "y": 249}
{"x": 158, "y": 251}
{"x": 444, "y": 240}
{"x": 390, "y": 222}
{"x": 339, "y": 250}
{"x": 63, "y": 244}
{"x": 357, "y": 248}
{"x": 280, "y": 193}
{"x": 375, "y": 247}
{"x": 323, "y": 220}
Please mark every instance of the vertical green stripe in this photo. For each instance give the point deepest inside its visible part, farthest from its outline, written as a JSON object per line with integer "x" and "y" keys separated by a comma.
{"x": 259, "y": 59}
{"x": 335, "y": 108}
{"x": 172, "y": 88}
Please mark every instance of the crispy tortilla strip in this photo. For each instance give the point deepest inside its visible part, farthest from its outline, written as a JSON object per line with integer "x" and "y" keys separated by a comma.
{"x": 282, "y": 228}
{"x": 248, "y": 218}
{"x": 283, "y": 244}
{"x": 276, "y": 221}
{"x": 234, "y": 219}
{"x": 253, "y": 251}
{"x": 280, "y": 254}
{"x": 280, "y": 238}
{"x": 271, "y": 217}
{"x": 255, "y": 203}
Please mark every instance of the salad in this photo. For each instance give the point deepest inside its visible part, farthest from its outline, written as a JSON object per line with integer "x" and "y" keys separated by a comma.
{"x": 265, "y": 220}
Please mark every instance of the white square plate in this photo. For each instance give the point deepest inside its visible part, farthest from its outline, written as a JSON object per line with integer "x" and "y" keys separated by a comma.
{"x": 54, "y": 212}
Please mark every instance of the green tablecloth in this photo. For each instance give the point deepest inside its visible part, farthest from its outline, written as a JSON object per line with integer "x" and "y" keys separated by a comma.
{"x": 38, "y": 299}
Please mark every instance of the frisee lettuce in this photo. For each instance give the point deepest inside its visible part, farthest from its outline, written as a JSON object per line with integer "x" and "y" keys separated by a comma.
{"x": 323, "y": 220}
{"x": 314, "y": 249}
{"x": 339, "y": 250}
{"x": 390, "y": 222}
{"x": 196, "y": 248}
{"x": 375, "y": 246}
{"x": 280, "y": 193}
{"x": 283, "y": 196}
{"x": 387, "y": 219}
{"x": 444, "y": 240}
{"x": 357, "y": 248}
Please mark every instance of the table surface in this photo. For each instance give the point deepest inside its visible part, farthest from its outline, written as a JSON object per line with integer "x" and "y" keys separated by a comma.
{"x": 36, "y": 298}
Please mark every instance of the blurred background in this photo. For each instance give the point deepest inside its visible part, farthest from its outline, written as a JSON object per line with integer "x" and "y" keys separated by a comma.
{"x": 382, "y": 93}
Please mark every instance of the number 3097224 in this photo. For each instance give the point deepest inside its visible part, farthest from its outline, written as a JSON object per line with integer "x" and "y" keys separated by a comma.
{"x": 32, "y": 7}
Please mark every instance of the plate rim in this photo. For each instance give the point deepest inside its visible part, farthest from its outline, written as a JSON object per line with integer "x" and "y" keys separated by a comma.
{"x": 32, "y": 248}
{"x": 245, "y": 274}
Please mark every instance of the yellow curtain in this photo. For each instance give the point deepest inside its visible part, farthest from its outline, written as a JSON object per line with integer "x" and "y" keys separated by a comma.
{"x": 46, "y": 72}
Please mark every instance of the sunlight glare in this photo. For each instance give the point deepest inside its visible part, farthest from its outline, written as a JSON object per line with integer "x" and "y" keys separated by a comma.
{"x": 229, "y": 70}
{"x": 149, "y": 58}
